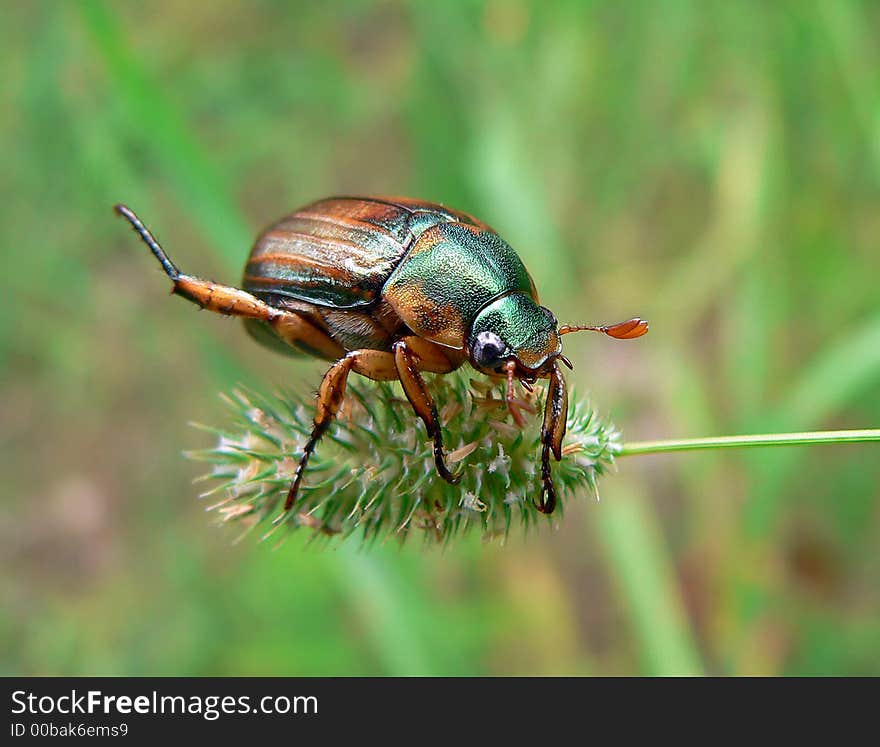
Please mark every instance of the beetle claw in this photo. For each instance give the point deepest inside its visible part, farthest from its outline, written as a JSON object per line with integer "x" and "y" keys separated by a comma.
{"x": 547, "y": 505}
{"x": 453, "y": 478}
{"x": 440, "y": 464}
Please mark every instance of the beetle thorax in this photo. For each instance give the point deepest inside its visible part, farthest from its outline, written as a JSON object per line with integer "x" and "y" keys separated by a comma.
{"x": 452, "y": 272}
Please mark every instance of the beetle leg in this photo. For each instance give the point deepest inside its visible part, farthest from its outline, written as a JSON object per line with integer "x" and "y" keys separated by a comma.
{"x": 299, "y": 332}
{"x": 330, "y": 396}
{"x": 420, "y": 398}
{"x": 552, "y": 433}
{"x": 289, "y": 326}
{"x": 374, "y": 364}
{"x": 512, "y": 405}
{"x": 432, "y": 357}
{"x": 222, "y": 299}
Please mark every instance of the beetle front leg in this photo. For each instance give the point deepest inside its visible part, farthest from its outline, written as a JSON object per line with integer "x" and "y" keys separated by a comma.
{"x": 552, "y": 433}
{"x": 420, "y": 398}
{"x": 516, "y": 406}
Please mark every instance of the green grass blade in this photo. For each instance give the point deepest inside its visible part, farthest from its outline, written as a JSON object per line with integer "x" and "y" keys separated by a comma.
{"x": 196, "y": 179}
{"x": 384, "y": 610}
{"x": 630, "y": 535}
{"x": 835, "y": 378}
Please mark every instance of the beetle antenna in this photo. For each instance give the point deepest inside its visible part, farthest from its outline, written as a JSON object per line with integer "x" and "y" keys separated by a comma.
{"x": 627, "y": 330}
{"x": 148, "y": 238}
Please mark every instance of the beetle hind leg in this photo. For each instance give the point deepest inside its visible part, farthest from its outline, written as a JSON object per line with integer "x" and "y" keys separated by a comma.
{"x": 222, "y": 299}
{"x": 290, "y": 327}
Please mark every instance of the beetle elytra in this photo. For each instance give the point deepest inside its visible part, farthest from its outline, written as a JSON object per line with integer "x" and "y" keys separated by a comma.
{"x": 391, "y": 287}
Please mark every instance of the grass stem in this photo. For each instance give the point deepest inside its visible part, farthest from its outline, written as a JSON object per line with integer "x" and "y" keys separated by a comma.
{"x": 763, "y": 439}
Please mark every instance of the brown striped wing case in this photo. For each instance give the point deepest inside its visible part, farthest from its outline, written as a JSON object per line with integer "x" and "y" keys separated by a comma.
{"x": 338, "y": 252}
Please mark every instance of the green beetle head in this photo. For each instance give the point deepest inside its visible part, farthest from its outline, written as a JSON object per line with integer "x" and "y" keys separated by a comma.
{"x": 514, "y": 327}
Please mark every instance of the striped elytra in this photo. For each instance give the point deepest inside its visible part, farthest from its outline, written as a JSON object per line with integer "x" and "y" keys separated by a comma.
{"x": 339, "y": 251}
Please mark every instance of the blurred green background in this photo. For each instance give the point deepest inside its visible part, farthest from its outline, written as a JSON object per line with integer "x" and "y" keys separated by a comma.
{"x": 711, "y": 166}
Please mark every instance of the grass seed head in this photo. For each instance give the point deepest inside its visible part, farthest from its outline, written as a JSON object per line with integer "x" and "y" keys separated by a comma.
{"x": 373, "y": 473}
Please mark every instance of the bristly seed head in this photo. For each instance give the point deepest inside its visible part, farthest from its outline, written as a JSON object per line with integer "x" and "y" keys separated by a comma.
{"x": 373, "y": 472}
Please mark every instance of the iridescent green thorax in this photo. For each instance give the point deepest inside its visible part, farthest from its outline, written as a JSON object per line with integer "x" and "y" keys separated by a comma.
{"x": 529, "y": 329}
{"x": 452, "y": 272}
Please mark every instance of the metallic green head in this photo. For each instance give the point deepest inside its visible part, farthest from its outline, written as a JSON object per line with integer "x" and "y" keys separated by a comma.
{"x": 514, "y": 327}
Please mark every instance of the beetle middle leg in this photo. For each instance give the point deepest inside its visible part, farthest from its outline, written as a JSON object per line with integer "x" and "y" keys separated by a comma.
{"x": 410, "y": 355}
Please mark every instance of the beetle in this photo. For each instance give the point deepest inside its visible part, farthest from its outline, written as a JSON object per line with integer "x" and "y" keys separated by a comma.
{"x": 390, "y": 287}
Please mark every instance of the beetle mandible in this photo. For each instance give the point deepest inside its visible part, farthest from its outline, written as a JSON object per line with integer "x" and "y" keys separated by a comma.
{"x": 390, "y": 287}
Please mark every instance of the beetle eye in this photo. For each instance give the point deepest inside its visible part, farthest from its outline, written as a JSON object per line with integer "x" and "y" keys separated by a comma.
{"x": 488, "y": 350}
